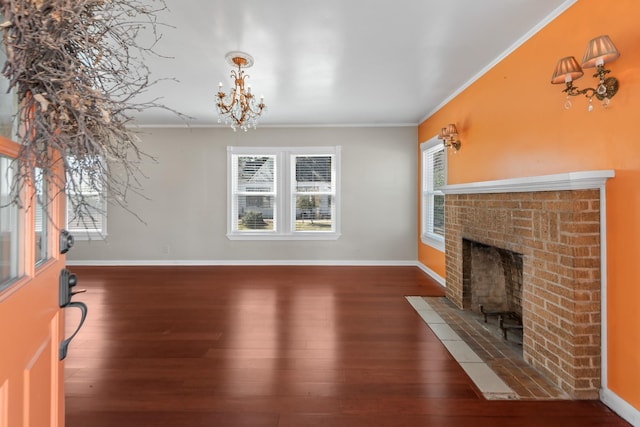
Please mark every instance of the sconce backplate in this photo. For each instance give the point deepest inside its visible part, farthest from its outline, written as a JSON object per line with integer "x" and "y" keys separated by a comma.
{"x": 611, "y": 84}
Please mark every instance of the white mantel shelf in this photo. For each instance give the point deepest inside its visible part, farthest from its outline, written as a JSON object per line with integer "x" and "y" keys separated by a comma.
{"x": 564, "y": 181}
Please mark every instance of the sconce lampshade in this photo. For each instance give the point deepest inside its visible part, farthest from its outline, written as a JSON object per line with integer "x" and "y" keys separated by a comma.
{"x": 448, "y": 136}
{"x": 566, "y": 70}
{"x": 599, "y": 51}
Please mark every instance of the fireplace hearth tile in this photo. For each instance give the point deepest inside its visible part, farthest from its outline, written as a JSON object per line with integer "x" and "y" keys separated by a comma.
{"x": 419, "y": 304}
{"x": 443, "y": 331}
{"x": 490, "y": 384}
{"x": 431, "y": 317}
{"x": 461, "y": 351}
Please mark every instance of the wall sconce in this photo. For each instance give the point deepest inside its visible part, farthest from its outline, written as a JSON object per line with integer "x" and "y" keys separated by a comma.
{"x": 449, "y": 137}
{"x": 599, "y": 51}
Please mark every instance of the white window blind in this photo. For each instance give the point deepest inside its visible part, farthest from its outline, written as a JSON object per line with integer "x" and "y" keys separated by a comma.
{"x": 254, "y": 188}
{"x": 434, "y": 175}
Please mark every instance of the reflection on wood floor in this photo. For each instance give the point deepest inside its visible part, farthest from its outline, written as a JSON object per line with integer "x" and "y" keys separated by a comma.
{"x": 276, "y": 347}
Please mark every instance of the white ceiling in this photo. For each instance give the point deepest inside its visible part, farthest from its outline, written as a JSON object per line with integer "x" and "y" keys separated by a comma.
{"x": 334, "y": 62}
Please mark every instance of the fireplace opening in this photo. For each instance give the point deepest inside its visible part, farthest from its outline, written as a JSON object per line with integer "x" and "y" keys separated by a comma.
{"x": 492, "y": 288}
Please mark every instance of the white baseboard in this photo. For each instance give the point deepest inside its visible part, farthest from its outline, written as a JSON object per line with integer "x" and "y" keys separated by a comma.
{"x": 195, "y": 263}
{"x": 143, "y": 263}
{"x": 435, "y": 276}
{"x": 620, "y": 407}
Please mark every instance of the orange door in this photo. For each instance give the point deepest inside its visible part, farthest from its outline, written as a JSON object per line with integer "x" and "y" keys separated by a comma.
{"x": 31, "y": 322}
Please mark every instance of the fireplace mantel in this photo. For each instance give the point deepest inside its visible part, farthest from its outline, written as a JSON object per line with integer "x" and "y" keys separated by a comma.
{"x": 564, "y": 181}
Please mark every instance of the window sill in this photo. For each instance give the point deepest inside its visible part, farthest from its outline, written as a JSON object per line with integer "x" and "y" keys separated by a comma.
{"x": 84, "y": 235}
{"x": 435, "y": 243}
{"x": 297, "y": 236}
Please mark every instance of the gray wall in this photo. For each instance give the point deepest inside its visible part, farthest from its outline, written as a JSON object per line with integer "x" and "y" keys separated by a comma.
{"x": 187, "y": 189}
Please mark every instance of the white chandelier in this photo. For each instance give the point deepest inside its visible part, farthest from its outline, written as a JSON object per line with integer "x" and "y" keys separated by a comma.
{"x": 239, "y": 108}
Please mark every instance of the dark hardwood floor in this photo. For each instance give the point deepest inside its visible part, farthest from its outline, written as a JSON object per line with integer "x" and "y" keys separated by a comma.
{"x": 276, "y": 347}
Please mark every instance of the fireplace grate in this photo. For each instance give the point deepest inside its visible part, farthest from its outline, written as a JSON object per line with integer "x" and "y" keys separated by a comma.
{"x": 507, "y": 320}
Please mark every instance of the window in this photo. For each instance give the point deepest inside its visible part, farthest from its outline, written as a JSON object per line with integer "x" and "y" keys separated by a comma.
{"x": 283, "y": 193}
{"x": 41, "y": 217}
{"x": 9, "y": 224}
{"x": 86, "y": 199}
{"x": 313, "y": 192}
{"x": 434, "y": 177}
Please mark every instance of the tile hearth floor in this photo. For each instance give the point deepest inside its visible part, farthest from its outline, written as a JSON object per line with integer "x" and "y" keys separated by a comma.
{"x": 496, "y": 366}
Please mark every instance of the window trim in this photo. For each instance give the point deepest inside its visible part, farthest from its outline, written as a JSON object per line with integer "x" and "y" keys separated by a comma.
{"x": 42, "y": 214}
{"x": 284, "y": 200}
{"x": 16, "y": 217}
{"x": 427, "y": 236}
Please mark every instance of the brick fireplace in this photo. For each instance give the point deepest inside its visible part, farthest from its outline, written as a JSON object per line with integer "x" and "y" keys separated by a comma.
{"x": 554, "y": 223}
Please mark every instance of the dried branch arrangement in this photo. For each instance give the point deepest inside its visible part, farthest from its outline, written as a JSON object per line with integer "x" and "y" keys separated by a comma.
{"x": 77, "y": 69}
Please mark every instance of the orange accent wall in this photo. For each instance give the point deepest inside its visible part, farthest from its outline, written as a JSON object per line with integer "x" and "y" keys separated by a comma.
{"x": 513, "y": 124}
